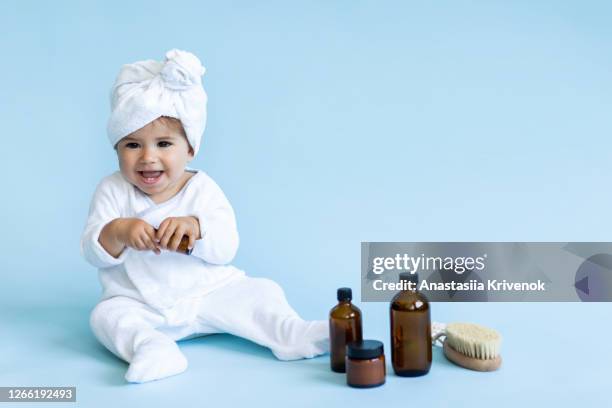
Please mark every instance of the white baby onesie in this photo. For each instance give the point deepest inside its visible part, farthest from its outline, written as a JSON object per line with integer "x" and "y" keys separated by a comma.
{"x": 149, "y": 301}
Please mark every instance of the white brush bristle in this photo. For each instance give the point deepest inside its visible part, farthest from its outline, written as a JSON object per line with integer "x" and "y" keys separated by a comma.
{"x": 474, "y": 340}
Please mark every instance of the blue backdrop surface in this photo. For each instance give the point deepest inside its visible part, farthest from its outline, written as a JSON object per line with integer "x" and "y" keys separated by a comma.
{"x": 330, "y": 123}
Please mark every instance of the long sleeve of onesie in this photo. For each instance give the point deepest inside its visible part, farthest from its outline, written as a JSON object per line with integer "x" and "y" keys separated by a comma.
{"x": 102, "y": 210}
{"x": 220, "y": 240}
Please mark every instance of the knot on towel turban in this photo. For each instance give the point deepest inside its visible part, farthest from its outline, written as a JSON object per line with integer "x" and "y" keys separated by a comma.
{"x": 182, "y": 70}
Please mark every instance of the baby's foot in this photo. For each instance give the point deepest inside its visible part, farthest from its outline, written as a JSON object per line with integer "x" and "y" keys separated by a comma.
{"x": 315, "y": 341}
{"x": 155, "y": 359}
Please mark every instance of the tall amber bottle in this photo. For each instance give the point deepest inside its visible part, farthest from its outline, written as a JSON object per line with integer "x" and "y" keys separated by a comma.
{"x": 410, "y": 330}
{"x": 344, "y": 327}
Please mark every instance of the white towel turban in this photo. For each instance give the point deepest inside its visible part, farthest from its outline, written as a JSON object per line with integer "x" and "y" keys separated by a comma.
{"x": 146, "y": 90}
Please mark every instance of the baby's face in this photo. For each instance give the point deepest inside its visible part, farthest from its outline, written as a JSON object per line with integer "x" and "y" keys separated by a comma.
{"x": 154, "y": 158}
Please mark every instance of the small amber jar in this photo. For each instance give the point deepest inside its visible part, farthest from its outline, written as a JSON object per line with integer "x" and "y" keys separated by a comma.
{"x": 365, "y": 364}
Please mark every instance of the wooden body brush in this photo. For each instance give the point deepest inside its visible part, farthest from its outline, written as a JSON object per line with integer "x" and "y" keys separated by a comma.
{"x": 471, "y": 346}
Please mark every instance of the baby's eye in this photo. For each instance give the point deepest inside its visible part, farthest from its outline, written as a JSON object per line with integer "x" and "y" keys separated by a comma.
{"x": 131, "y": 145}
{"x": 164, "y": 144}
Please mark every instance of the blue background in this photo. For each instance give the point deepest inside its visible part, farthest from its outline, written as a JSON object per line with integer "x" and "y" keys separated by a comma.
{"x": 330, "y": 123}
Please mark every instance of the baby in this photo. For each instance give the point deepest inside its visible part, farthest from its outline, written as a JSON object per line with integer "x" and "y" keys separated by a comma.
{"x": 154, "y": 294}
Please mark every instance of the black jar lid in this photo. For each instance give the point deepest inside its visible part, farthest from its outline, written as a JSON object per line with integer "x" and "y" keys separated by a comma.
{"x": 345, "y": 294}
{"x": 364, "y": 350}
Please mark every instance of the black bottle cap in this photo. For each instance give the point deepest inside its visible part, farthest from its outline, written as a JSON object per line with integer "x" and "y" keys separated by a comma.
{"x": 409, "y": 277}
{"x": 364, "y": 350}
{"x": 345, "y": 294}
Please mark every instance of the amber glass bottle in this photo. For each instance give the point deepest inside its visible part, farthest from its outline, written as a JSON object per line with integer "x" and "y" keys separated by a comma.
{"x": 344, "y": 328}
{"x": 184, "y": 246}
{"x": 410, "y": 330}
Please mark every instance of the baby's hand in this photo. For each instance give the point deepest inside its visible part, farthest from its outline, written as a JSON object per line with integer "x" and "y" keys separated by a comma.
{"x": 172, "y": 230}
{"x": 137, "y": 234}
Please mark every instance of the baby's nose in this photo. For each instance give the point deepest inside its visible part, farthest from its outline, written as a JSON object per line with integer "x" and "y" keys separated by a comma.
{"x": 148, "y": 155}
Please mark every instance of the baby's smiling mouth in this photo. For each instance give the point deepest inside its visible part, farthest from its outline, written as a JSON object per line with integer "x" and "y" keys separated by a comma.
{"x": 150, "y": 177}
{"x": 151, "y": 174}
